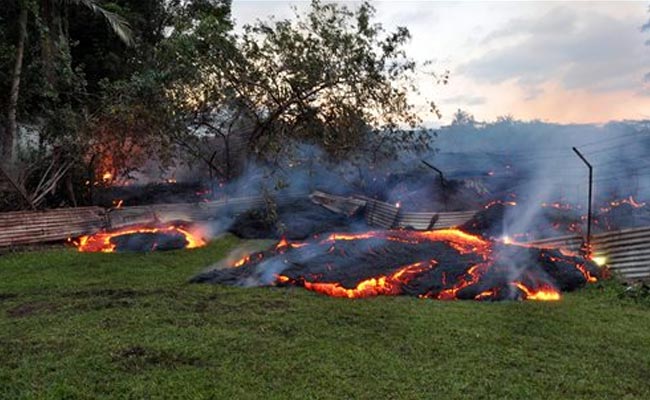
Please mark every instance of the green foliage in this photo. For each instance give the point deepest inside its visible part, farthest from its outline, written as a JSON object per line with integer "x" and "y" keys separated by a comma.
{"x": 638, "y": 292}
{"x": 330, "y": 77}
{"x": 181, "y": 79}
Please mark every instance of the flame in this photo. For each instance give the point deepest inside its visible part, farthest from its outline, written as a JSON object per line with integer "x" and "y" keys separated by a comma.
{"x": 107, "y": 176}
{"x": 599, "y": 260}
{"x": 118, "y": 203}
{"x": 616, "y": 203}
{"x": 544, "y": 293}
{"x": 284, "y": 244}
{"x": 101, "y": 242}
{"x": 557, "y": 205}
{"x": 486, "y": 294}
{"x": 502, "y": 202}
{"x": 241, "y": 261}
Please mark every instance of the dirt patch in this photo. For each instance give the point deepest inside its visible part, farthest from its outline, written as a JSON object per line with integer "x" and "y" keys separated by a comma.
{"x": 137, "y": 358}
{"x": 99, "y": 299}
{"x": 31, "y": 308}
{"x": 7, "y": 296}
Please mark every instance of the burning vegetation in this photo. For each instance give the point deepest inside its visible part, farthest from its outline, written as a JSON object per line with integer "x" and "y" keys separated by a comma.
{"x": 444, "y": 264}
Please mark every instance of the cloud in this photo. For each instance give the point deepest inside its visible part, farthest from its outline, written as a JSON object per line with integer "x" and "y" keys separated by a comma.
{"x": 558, "y": 20}
{"x": 581, "y": 50}
{"x": 466, "y": 100}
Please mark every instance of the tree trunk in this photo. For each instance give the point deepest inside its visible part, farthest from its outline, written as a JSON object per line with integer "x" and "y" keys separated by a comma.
{"x": 49, "y": 40}
{"x": 12, "y": 126}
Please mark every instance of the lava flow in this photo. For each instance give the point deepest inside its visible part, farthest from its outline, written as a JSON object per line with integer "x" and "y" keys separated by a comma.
{"x": 140, "y": 238}
{"x": 442, "y": 264}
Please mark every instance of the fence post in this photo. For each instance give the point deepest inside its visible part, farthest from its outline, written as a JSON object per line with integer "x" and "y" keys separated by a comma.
{"x": 591, "y": 184}
{"x": 443, "y": 184}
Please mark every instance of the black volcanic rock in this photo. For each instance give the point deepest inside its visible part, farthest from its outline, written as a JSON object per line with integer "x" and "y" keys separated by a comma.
{"x": 488, "y": 222}
{"x": 295, "y": 221}
{"x": 425, "y": 268}
{"x": 149, "y": 241}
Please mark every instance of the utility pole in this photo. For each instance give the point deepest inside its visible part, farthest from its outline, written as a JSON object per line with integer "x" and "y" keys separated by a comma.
{"x": 591, "y": 187}
{"x": 443, "y": 184}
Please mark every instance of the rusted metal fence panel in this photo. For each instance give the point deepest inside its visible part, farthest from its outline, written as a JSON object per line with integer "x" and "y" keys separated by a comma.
{"x": 31, "y": 227}
{"x": 205, "y": 211}
{"x": 386, "y": 215}
{"x": 626, "y": 252}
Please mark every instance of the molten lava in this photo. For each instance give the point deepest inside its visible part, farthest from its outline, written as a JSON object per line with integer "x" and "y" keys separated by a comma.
{"x": 502, "y": 202}
{"x": 382, "y": 285}
{"x": 544, "y": 293}
{"x": 105, "y": 242}
{"x": 617, "y": 203}
{"x": 445, "y": 264}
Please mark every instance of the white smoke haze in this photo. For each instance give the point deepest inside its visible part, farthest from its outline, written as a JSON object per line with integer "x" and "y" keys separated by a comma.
{"x": 531, "y": 163}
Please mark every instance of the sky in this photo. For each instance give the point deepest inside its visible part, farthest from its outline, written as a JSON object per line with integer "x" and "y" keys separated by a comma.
{"x": 565, "y": 62}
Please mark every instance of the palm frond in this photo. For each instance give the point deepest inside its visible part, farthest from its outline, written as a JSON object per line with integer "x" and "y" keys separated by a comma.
{"x": 119, "y": 25}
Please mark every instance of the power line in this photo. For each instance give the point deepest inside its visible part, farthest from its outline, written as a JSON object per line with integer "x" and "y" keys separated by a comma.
{"x": 600, "y": 151}
{"x": 613, "y": 139}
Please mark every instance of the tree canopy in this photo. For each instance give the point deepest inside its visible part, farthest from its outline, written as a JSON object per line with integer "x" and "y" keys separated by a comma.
{"x": 115, "y": 84}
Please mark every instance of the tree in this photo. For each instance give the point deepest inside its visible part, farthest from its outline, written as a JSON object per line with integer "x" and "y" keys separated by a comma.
{"x": 50, "y": 15}
{"x": 7, "y": 141}
{"x": 463, "y": 118}
{"x": 330, "y": 77}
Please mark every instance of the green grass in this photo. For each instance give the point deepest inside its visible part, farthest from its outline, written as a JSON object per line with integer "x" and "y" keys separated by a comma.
{"x": 130, "y": 326}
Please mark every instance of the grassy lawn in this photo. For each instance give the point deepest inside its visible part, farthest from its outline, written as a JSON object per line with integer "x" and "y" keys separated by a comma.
{"x": 130, "y": 326}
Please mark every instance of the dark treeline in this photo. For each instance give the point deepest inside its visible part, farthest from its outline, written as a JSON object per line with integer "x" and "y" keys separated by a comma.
{"x": 93, "y": 91}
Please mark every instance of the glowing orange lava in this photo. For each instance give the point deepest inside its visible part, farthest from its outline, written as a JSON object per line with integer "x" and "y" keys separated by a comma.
{"x": 241, "y": 261}
{"x": 459, "y": 240}
{"x": 558, "y": 205}
{"x": 101, "y": 242}
{"x": 544, "y": 293}
{"x": 486, "y": 294}
{"x": 616, "y": 203}
{"x": 390, "y": 285}
{"x": 502, "y": 202}
{"x": 395, "y": 283}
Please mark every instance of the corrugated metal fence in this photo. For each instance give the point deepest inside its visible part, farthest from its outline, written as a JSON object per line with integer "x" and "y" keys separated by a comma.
{"x": 626, "y": 252}
{"x": 387, "y": 216}
{"x": 32, "y": 227}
